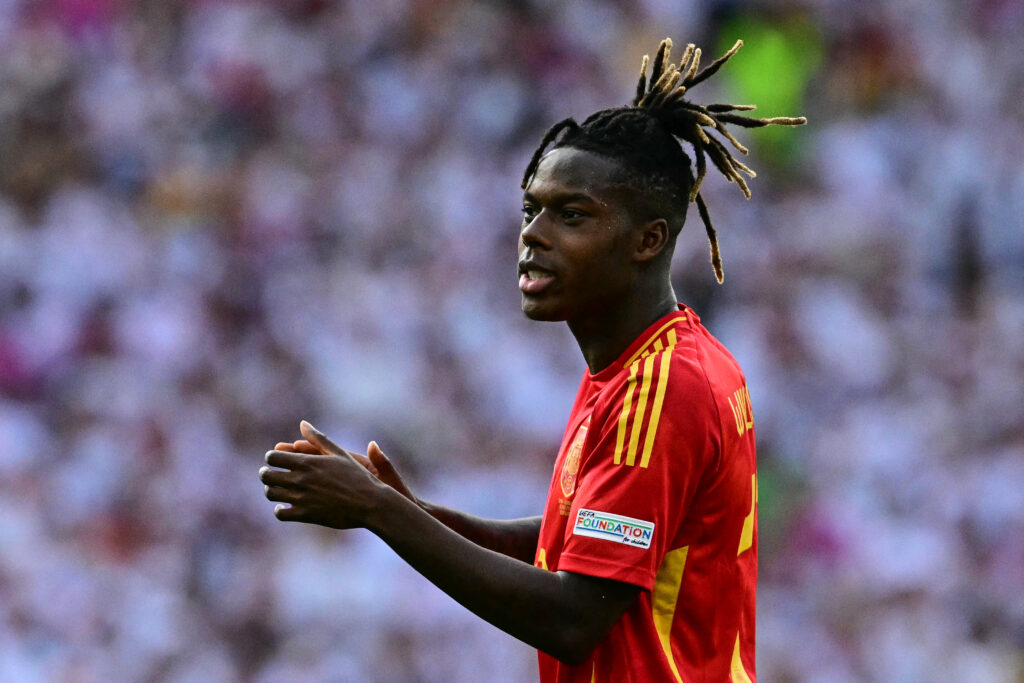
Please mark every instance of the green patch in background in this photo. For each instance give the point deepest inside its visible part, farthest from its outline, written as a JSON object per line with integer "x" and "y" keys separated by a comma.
{"x": 772, "y": 70}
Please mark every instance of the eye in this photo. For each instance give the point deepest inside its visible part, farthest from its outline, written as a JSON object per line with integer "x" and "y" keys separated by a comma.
{"x": 572, "y": 215}
{"x": 529, "y": 211}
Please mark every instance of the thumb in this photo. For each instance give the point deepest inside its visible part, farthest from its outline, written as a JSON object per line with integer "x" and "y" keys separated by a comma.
{"x": 377, "y": 457}
{"x": 319, "y": 439}
{"x": 387, "y": 472}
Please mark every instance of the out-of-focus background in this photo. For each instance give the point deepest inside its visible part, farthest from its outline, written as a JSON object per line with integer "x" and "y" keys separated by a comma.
{"x": 218, "y": 218}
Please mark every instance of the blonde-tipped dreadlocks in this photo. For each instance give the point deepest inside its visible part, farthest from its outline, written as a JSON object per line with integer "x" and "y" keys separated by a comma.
{"x": 637, "y": 135}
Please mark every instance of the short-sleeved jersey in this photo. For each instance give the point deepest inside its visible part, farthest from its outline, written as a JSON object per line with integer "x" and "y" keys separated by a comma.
{"x": 655, "y": 485}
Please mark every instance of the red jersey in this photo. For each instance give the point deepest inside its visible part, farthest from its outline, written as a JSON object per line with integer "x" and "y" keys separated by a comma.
{"x": 655, "y": 485}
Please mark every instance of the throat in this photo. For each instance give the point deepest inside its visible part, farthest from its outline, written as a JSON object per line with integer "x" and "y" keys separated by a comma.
{"x": 602, "y": 339}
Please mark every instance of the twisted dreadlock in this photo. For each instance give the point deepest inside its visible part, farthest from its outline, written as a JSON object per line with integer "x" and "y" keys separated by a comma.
{"x": 645, "y": 137}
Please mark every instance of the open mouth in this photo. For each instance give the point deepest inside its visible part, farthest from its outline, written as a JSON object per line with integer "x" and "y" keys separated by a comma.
{"x": 533, "y": 280}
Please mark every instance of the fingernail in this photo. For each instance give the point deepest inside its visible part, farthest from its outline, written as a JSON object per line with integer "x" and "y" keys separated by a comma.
{"x": 310, "y": 425}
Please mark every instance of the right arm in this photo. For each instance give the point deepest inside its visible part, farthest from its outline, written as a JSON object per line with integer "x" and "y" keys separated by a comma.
{"x": 516, "y": 538}
{"x": 564, "y": 614}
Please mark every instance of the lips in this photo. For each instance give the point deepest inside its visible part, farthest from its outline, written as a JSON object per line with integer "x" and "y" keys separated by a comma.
{"x": 534, "y": 278}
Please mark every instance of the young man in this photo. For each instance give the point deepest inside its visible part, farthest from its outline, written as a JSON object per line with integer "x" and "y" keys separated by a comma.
{"x": 643, "y": 566}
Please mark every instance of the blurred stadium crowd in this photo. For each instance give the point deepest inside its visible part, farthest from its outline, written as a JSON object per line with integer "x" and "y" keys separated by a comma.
{"x": 218, "y": 218}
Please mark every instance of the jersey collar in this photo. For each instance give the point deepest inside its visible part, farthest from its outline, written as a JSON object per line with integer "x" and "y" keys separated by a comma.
{"x": 646, "y": 342}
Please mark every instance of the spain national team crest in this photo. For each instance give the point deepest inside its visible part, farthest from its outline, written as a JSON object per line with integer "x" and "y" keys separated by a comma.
{"x": 572, "y": 460}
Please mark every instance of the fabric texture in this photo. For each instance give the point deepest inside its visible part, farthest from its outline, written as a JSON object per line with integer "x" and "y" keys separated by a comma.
{"x": 655, "y": 485}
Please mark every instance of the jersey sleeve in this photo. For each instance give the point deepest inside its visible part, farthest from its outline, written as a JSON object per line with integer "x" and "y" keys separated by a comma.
{"x": 652, "y": 439}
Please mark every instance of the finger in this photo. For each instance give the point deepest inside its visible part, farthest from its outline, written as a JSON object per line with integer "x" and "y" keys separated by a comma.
{"x": 285, "y": 460}
{"x": 319, "y": 439}
{"x": 287, "y": 514}
{"x": 276, "y": 477}
{"x": 281, "y": 495}
{"x": 282, "y": 446}
{"x": 303, "y": 446}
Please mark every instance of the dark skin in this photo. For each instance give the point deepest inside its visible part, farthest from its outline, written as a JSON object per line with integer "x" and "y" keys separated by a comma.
{"x": 587, "y": 259}
{"x": 610, "y": 267}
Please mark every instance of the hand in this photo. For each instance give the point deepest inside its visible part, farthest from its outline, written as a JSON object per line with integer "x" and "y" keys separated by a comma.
{"x": 337, "y": 492}
{"x": 378, "y": 464}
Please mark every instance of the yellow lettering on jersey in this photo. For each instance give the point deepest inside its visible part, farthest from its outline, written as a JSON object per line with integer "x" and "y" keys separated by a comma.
{"x": 542, "y": 559}
{"x": 664, "y": 599}
{"x": 742, "y": 410}
{"x": 736, "y": 416}
{"x": 739, "y": 674}
{"x": 627, "y": 403}
{"x": 641, "y": 408}
{"x": 750, "y": 407}
{"x": 659, "y": 398}
{"x": 747, "y": 535}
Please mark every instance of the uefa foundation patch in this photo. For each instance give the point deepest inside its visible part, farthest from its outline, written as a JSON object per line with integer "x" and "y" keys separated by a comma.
{"x": 615, "y": 528}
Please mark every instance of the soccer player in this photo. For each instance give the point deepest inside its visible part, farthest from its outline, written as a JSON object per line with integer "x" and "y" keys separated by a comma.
{"x": 644, "y": 564}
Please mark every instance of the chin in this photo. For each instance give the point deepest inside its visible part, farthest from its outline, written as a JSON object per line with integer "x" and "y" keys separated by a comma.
{"x": 536, "y": 311}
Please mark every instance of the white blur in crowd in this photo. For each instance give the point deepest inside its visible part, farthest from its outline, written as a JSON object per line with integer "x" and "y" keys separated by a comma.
{"x": 219, "y": 218}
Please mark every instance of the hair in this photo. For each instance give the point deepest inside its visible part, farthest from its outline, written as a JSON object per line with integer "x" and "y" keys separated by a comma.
{"x": 646, "y": 138}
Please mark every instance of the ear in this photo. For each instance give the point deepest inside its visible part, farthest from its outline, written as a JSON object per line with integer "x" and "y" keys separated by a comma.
{"x": 652, "y": 238}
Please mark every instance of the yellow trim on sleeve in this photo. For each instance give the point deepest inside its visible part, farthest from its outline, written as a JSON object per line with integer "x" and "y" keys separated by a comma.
{"x": 542, "y": 559}
{"x": 664, "y": 599}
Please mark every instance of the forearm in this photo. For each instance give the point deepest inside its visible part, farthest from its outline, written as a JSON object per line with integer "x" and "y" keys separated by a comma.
{"x": 561, "y": 613}
{"x": 513, "y": 537}
{"x": 538, "y": 607}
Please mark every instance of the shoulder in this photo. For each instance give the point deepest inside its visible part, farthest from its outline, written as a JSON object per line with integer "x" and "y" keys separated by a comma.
{"x": 664, "y": 390}
{"x": 675, "y": 368}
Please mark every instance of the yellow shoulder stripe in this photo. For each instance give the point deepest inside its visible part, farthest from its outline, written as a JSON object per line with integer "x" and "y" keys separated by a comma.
{"x": 642, "y": 370}
{"x": 659, "y": 399}
{"x": 641, "y": 408}
{"x": 643, "y": 347}
{"x": 627, "y": 404}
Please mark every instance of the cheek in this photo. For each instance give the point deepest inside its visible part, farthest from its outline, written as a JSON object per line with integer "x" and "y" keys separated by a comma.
{"x": 602, "y": 271}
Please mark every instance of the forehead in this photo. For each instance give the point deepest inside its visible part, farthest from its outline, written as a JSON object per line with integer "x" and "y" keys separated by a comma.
{"x": 572, "y": 170}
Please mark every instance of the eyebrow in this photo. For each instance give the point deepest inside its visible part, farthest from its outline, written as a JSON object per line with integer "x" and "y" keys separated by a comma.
{"x": 562, "y": 197}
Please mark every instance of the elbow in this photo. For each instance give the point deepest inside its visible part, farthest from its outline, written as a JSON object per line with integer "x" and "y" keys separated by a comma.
{"x": 574, "y": 644}
{"x": 575, "y": 657}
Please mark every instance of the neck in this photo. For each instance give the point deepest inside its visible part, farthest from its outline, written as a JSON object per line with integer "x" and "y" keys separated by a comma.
{"x": 603, "y": 337}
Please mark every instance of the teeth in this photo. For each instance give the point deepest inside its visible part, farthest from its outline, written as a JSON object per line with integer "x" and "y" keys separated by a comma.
{"x": 536, "y": 274}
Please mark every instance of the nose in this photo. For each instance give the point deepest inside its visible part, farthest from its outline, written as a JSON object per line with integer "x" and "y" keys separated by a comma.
{"x": 532, "y": 234}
